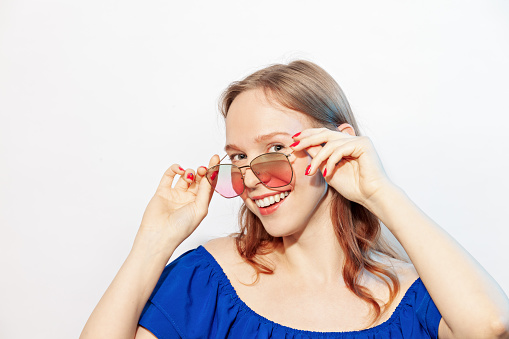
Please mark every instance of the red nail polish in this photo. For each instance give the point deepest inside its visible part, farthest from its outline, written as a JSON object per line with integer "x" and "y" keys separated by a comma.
{"x": 190, "y": 176}
{"x": 294, "y": 144}
{"x": 180, "y": 168}
{"x": 214, "y": 175}
{"x": 308, "y": 170}
{"x": 296, "y": 135}
{"x": 324, "y": 172}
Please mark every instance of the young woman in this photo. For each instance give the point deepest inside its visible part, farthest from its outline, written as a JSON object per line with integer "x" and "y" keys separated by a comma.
{"x": 310, "y": 260}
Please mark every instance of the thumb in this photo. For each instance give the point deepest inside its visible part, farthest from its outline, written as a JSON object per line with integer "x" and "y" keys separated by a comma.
{"x": 205, "y": 190}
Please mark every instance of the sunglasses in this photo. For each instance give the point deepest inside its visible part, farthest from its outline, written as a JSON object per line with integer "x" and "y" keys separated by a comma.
{"x": 272, "y": 169}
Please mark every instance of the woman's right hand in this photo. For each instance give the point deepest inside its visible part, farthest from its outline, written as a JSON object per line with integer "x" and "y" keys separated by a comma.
{"x": 173, "y": 213}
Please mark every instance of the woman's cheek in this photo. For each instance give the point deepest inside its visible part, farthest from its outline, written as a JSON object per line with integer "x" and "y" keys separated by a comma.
{"x": 249, "y": 203}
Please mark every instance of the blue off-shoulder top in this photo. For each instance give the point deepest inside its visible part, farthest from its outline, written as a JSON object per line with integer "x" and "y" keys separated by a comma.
{"x": 195, "y": 299}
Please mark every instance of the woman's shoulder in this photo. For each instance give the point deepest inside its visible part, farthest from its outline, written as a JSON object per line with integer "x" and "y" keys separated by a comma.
{"x": 196, "y": 270}
{"x": 224, "y": 251}
{"x": 193, "y": 276}
{"x": 403, "y": 269}
{"x": 221, "y": 247}
{"x": 190, "y": 287}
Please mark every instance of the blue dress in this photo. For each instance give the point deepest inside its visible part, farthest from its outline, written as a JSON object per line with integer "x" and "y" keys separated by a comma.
{"x": 195, "y": 299}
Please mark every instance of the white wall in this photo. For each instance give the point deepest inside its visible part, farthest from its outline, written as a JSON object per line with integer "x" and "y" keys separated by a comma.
{"x": 98, "y": 98}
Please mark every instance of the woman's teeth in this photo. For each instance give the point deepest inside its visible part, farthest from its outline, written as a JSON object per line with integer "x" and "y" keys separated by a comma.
{"x": 267, "y": 201}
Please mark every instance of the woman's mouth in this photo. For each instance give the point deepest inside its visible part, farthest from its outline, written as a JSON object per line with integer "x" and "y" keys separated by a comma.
{"x": 270, "y": 204}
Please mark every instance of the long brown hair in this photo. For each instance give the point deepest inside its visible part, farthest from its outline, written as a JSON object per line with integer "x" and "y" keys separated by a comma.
{"x": 305, "y": 87}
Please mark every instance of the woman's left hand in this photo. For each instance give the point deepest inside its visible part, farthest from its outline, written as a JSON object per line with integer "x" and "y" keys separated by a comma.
{"x": 350, "y": 164}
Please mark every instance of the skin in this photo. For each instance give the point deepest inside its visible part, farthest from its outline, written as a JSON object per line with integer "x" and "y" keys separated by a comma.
{"x": 306, "y": 289}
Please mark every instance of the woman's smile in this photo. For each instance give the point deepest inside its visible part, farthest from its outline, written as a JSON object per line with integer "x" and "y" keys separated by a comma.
{"x": 269, "y": 203}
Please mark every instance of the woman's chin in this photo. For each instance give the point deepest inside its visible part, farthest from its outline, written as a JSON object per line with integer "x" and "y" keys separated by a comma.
{"x": 278, "y": 231}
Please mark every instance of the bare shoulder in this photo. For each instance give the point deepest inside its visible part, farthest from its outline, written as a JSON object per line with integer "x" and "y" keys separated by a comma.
{"x": 224, "y": 250}
{"x": 405, "y": 271}
{"x": 221, "y": 247}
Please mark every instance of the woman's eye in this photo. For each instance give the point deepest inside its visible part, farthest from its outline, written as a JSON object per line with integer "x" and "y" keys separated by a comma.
{"x": 237, "y": 157}
{"x": 277, "y": 148}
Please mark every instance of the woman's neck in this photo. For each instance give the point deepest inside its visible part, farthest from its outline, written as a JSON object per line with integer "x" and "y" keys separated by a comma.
{"x": 313, "y": 255}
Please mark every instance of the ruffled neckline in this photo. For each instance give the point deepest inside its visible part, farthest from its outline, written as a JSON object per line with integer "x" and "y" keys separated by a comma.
{"x": 228, "y": 289}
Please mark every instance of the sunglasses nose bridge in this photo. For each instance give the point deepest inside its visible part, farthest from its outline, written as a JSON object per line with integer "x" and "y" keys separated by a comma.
{"x": 250, "y": 178}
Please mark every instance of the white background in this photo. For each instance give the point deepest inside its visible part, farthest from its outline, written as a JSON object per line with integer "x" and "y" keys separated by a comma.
{"x": 98, "y": 98}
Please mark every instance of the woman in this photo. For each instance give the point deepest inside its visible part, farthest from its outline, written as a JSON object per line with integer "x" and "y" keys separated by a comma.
{"x": 309, "y": 260}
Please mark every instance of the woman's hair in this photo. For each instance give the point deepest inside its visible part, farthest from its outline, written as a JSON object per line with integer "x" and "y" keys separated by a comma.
{"x": 305, "y": 87}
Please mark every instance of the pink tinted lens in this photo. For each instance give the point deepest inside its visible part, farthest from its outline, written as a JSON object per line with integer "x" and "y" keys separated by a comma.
{"x": 273, "y": 170}
{"x": 226, "y": 180}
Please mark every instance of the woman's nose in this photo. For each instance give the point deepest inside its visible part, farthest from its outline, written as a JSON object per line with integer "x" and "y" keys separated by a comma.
{"x": 250, "y": 180}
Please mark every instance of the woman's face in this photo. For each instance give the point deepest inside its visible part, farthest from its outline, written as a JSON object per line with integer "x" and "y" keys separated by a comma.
{"x": 255, "y": 126}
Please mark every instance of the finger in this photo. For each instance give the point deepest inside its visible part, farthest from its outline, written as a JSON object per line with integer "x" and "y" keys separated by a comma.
{"x": 317, "y": 137}
{"x": 200, "y": 173}
{"x": 322, "y": 155}
{"x": 169, "y": 176}
{"x": 346, "y": 151}
{"x": 312, "y": 151}
{"x": 332, "y": 162}
{"x": 205, "y": 190}
{"x": 311, "y": 131}
{"x": 186, "y": 179}
{"x": 307, "y": 132}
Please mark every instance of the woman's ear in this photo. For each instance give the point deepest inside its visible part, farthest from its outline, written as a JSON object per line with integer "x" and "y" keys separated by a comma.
{"x": 346, "y": 128}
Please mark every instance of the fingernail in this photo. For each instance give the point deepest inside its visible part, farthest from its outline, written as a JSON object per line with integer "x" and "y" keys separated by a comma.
{"x": 308, "y": 170}
{"x": 180, "y": 168}
{"x": 296, "y": 135}
{"x": 324, "y": 172}
{"x": 190, "y": 176}
{"x": 213, "y": 176}
{"x": 203, "y": 167}
{"x": 294, "y": 144}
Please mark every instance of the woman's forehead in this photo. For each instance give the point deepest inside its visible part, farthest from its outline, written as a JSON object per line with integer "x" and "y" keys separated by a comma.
{"x": 252, "y": 116}
{"x": 262, "y": 138}
{"x": 264, "y": 128}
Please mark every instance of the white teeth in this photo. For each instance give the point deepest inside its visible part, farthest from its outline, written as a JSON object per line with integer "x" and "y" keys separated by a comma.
{"x": 267, "y": 201}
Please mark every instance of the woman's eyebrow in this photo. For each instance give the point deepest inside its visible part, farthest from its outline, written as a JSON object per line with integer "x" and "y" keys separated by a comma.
{"x": 258, "y": 139}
